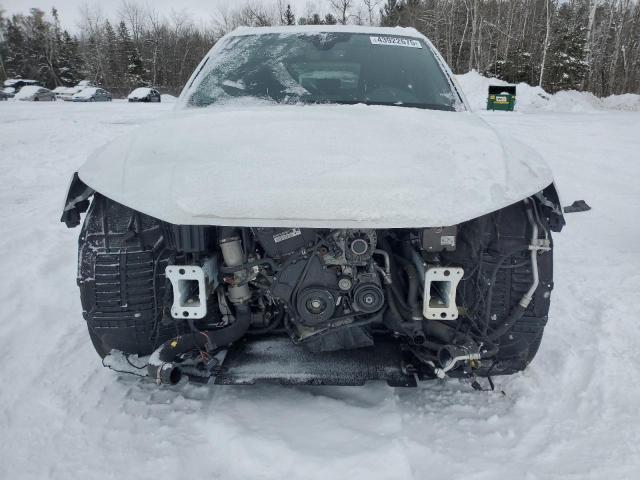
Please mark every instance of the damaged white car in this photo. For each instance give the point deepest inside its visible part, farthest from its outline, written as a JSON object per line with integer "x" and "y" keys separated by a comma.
{"x": 322, "y": 208}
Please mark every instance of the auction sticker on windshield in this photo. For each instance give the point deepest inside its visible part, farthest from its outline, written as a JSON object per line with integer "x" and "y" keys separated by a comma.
{"x": 396, "y": 41}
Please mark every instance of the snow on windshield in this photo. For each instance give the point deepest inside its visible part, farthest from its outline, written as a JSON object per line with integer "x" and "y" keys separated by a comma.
{"x": 28, "y": 91}
{"x": 86, "y": 92}
{"x": 324, "y": 67}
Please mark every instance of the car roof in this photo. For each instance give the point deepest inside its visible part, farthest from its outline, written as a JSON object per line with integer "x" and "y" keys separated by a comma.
{"x": 13, "y": 81}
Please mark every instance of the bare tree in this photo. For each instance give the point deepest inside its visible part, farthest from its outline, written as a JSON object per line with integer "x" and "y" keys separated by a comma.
{"x": 372, "y": 8}
{"x": 545, "y": 45}
{"x": 134, "y": 15}
{"x": 342, "y": 9}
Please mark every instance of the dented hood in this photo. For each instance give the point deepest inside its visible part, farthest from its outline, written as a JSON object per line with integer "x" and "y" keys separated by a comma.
{"x": 316, "y": 166}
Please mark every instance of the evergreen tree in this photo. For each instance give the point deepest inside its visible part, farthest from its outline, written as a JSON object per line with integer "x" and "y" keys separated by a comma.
{"x": 567, "y": 66}
{"x": 70, "y": 63}
{"x": 314, "y": 20}
{"x": 16, "y": 60}
{"x": 289, "y": 17}
{"x": 517, "y": 67}
{"x": 329, "y": 19}
{"x": 113, "y": 70}
{"x": 390, "y": 13}
{"x": 130, "y": 58}
{"x": 3, "y": 46}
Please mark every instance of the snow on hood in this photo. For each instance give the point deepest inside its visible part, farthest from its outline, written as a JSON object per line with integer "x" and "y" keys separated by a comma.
{"x": 85, "y": 92}
{"x": 140, "y": 92}
{"x": 317, "y": 166}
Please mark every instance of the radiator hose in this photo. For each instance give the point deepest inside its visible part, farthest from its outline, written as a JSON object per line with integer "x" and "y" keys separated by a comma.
{"x": 162, "y": 367}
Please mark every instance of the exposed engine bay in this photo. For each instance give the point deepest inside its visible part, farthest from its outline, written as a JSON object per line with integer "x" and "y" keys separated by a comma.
{"x": 460, "y": 301}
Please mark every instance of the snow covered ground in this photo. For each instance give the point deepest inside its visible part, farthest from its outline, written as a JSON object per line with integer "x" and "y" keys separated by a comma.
{"x": 572, "y": 414}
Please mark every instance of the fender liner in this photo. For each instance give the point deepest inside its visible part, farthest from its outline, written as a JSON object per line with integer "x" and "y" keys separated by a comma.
{"x": 77, "y": 201}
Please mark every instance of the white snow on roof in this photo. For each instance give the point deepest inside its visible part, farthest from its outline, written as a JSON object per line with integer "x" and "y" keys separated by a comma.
{"x": 140, "y": 92}
{"x": 59, "y": 89}
{"x": 13, "y": 81}
{"x": 72, "y": 90}
{"x": 298, "y": 29}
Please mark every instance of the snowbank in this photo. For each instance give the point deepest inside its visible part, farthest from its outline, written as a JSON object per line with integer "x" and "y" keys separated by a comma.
{"x": 168, "y": 98}
{"x": 529, "y": 98}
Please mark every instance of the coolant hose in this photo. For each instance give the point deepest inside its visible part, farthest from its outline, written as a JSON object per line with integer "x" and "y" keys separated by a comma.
{"x": 162, "y": 367}
{"x": 412, "y": 290}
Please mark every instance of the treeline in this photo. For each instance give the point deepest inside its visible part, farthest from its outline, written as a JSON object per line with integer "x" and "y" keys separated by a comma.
{"x": 582, "y": 44}
{"x": 560, "y": 44}
{"x": 136, "y": 49}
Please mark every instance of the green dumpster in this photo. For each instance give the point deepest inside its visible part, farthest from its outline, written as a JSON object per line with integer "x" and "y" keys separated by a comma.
{"x": 501, "y": 97}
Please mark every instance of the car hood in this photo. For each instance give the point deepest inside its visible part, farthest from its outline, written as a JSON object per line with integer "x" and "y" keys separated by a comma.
{"x": 316, "y": 166}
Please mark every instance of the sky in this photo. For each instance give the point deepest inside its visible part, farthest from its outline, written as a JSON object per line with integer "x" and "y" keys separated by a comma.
{"x": 200, "y": 10}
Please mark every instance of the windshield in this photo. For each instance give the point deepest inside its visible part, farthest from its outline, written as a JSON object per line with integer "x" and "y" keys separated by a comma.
{"x": 325, "y": 68}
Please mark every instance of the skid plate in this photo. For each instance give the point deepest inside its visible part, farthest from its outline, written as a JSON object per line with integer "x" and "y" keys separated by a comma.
{"x": 277, "y": 360}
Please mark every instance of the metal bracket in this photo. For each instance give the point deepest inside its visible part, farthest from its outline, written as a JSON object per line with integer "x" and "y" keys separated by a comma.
{"x": 440, "y": 284}
{"x": 191, "y": 287}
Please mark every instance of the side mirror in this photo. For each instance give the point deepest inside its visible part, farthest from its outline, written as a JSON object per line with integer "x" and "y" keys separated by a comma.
{"x": 577, "y": 206}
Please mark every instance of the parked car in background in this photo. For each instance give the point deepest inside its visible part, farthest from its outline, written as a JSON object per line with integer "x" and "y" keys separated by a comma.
{"x": 3, "y": 96}
{"x": 18, "y": 83}
{"x": 69, "y": 92}
{"x": 34, "y": 93}
{"x": 58, "y": 91}
{"x": 144, "y": 94}
{"x": 92, "y": 94}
